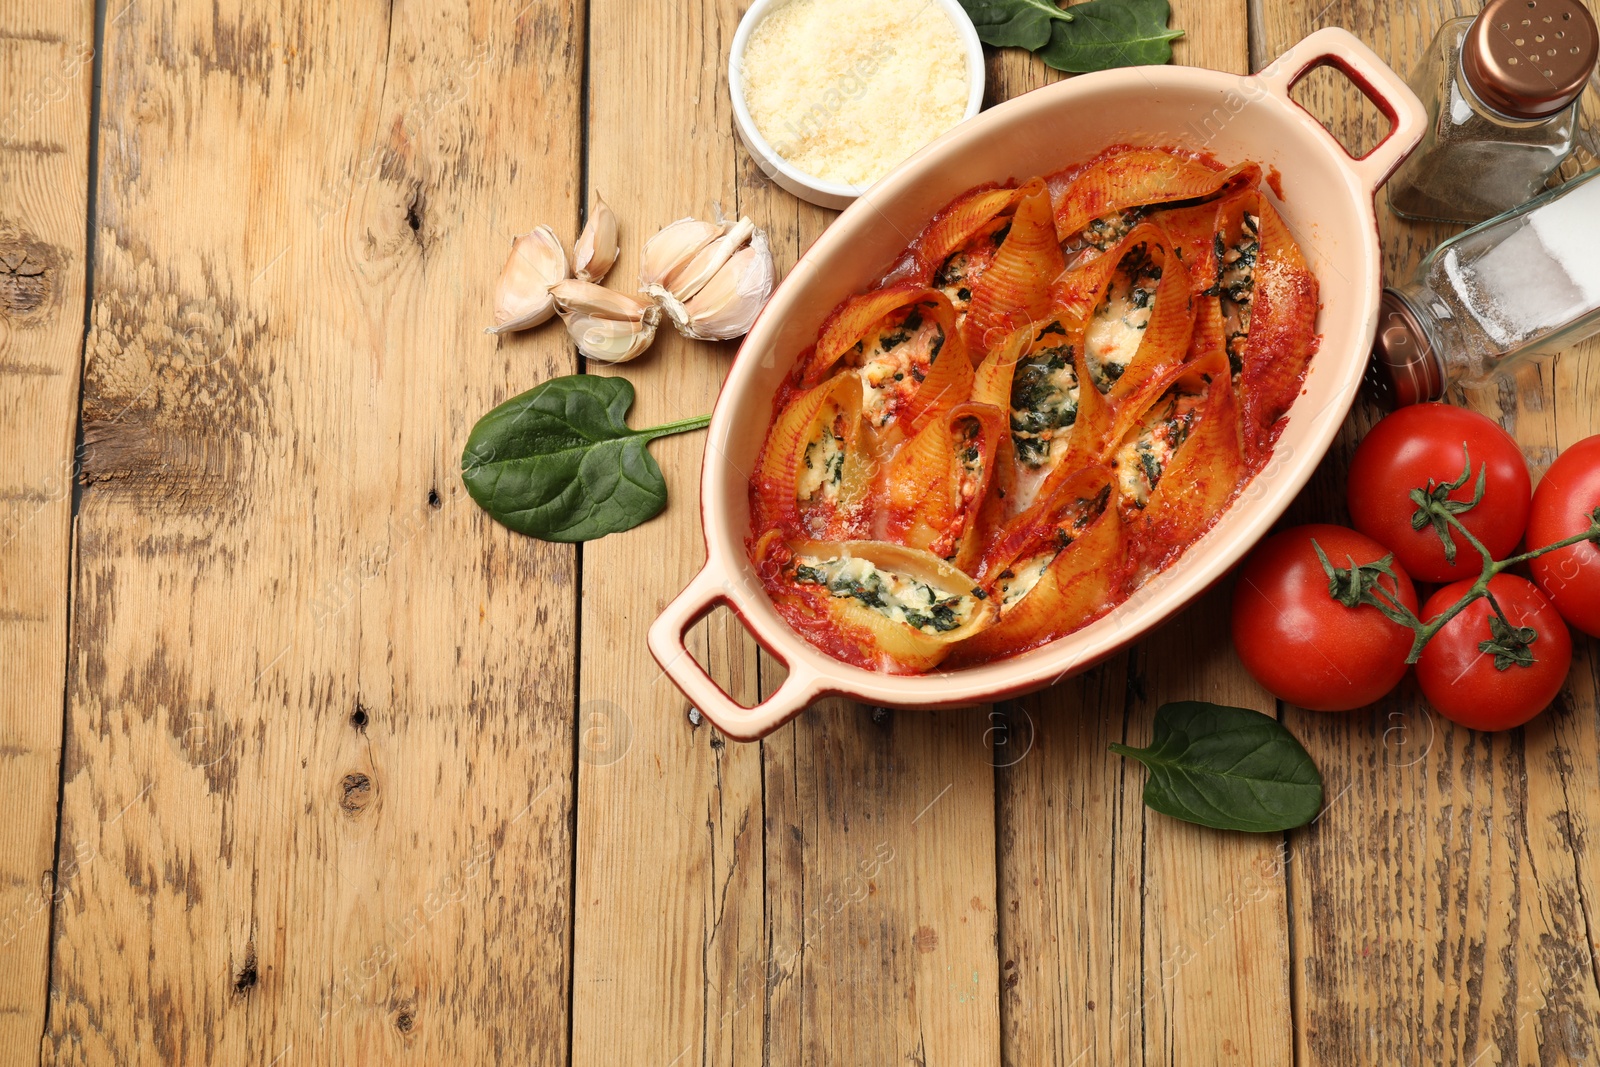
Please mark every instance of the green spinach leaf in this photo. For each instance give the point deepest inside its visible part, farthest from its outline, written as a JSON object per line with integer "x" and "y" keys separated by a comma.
{"x": 1111, "y": 33}
{"x": 559, "y": 462}
{"x": 1018, "y": 23}
{"x": 1230, "y": 768}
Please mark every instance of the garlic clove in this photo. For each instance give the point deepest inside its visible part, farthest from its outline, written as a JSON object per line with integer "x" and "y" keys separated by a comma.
{"x": 587, "y": 298}
{"x": 675, "y": 245}
{"x": 727, "y": 306}
{"x": 522, "y": 296}
{"x": 688, "y": 279}
{"x": 597, "y": 247}
{"x": 611, "y": 340}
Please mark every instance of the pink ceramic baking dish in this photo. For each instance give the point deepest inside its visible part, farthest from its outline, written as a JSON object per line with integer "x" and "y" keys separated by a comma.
{"x": 1328, "y": 201}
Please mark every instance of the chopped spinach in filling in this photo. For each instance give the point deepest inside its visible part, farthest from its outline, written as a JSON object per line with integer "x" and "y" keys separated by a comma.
{"x": 961, "y": 270}
{"x": 895, "y": 596}
{"x": 1148, "y": 449}
{"x": 894, "y": 359}
{"x": 1236, "y": 284}
{"x": 1044, "y": 404}
{"x": 955, "y": 281}
{"x": 1106, "y": 231}
{"x": 822, "y": 472}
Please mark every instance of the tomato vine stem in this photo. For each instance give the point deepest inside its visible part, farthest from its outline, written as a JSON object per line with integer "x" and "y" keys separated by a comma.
{"x": 1361, "y": 583}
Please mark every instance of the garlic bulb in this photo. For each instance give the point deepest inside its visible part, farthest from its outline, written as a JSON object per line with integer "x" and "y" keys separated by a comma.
{"x": 522, "y": 296}
{"x": 711, "y": 278}
{"x": 604, "y": 324}
{"x": 597, "y": 247}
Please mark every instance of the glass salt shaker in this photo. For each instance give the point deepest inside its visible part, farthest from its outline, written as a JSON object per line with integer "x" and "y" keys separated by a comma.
{"x": 1502, "y": 94}
{"x": 1526, "y": 283}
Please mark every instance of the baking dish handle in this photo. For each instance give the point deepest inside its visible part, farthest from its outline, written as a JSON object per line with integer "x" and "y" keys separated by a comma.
{"x": 1379, "y": 83}
{"x": 709, "y": 589}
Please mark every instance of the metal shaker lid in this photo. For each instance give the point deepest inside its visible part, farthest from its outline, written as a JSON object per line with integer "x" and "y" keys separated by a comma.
{"x": 1530, "y": 58}
{"x": 1404, "y": 368}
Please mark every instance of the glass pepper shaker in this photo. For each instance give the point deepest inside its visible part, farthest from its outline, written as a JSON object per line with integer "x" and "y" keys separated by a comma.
{"x": 1502, "y": 93}
{"x": 1526, "y": 283}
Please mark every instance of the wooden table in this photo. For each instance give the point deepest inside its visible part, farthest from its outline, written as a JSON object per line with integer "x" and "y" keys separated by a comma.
{"x": 307, "y": 761}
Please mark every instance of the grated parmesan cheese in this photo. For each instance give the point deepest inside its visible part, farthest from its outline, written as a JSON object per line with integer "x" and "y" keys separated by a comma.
{"x": 845, "y": 90}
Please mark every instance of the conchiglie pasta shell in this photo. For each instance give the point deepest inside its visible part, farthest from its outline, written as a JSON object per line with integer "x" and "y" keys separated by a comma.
{"x": 1022, "y": 533}
{"x": 957, "y": 224}
{"x": 1075, "y": 292}
{"x": 1283, "y": 322}
{"x": 1202, "y": 477}
{"x": 1210, "y": 333}
{"x": 926, "y": 508}
{"x": 1166, "y": 338}
{"x": 880, "y": 642}
{"x": 1104, "y": 418}
{"x": 1016, "y": 489}
{"x": 852, "y": 319}
{"x": 776, "y": 496}
{"x": 1141, "y": 177}
{"x": 1014, "y": 291}
{"x": 949, "y": 380}
{"x": 1082, "y": 583}
{"x": 1191, "y": 232}
{"x": 992, "y": 380}
{"x": 992, "y": 385}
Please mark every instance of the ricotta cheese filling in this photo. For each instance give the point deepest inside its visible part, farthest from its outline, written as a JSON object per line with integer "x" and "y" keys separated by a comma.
{"x": 894, "y": 359}
{"x": 1148, "y": 448}
{"x": 896, "y": 597}
{"x": 1018, "y": 580}
{"x": 1117, "y": 326}
{"x": 1236, "y": 285}
{"x": 822, "y": 470}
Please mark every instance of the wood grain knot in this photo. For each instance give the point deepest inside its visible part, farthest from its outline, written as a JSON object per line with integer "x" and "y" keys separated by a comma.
{"x": 404, "y": 1022}
{"x": 247, "y": 977}
{"x": 27, "y": 275}
{"x": 359, "y": 718}
{"x": 355, "y": 793}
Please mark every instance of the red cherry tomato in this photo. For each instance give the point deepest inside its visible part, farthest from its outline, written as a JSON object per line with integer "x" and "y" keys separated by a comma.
{"x": 1568, "y": 494}
{"x": 1305, "y": 646}
{"x": 1425, "y": 441}
{"x": 1463, "y": 682}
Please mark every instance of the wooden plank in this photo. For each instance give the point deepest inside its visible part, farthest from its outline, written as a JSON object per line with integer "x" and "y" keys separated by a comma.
{"x": 881, "y": 888}
{"x": 318, "y": 772}
{"x": 880, "y": 851}
{"x": 667, "y": 933}
{"x": 699, "y": 970}
{"x": 46, "y": 70}
{"x": 1441, "y": 906}
{"x": 1126, "y": 936}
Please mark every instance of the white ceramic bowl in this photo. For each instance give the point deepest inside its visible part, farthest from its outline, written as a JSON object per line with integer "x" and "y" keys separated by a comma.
{"x": 1327, "y": 200}
{"x": 836, "y": 195}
